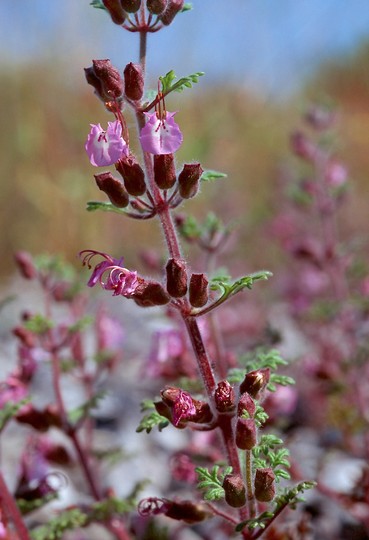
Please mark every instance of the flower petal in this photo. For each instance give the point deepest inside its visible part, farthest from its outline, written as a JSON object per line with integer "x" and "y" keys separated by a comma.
{"x": 105, "y": 147}
{"x": 161, "y": 136}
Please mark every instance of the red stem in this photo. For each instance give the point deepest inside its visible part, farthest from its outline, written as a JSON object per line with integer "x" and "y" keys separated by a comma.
{"x": 10, "y": 506}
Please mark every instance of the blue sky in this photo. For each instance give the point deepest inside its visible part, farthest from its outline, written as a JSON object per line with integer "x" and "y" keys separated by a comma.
{"x": 268, "y": 45}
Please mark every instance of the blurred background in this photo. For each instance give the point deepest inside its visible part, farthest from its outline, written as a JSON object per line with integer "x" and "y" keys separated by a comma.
{"x": 264, "y": 60}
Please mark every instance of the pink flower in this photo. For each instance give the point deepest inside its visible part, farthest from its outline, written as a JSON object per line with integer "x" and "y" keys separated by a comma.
{"x": 106, "y": 147}
{"x": 183, "y": 408}
{"x": 161, "y": 134}
{"x": 120, "y": 280}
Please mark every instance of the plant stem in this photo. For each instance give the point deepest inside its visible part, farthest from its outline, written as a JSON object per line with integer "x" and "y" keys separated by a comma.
{"x": 251, "y": 504}
{"x": 10, "y": 506}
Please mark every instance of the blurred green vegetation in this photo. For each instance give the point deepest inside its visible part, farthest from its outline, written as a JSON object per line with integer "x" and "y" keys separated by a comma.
{"x": 47, "y": 178}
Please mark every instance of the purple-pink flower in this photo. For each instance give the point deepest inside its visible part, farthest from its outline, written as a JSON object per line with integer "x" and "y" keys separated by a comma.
{"x": 106, "y": 147}
{"x": 161, "y": 134}
{"x": 183, "y": 408}
{"x": 120, "y": 280}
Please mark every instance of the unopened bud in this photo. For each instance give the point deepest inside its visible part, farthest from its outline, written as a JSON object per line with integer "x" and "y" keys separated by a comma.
{"x": 164, "y": 171}
{"x": 115, "y": 10}
{"x": 156, "y": 7}
{"x": 130, "y": 6}
{"x": 176, "y": 278}
{"x": 198, "y": 290}
{"x": 187, "y": 511}
{"x": 264, "y": 485}
{"x": 303, "y": 147}
{"x": 320, "y": 118}
{"x": 172, "y": 9}
{"x": 235, "y": 491}
{"x": 189, "y": 180}
{"x": 113, "y": 188}
{"x": 132, "y": 174}
{"x": 133, "y": 81}
{"x": 25, "y": 264}
{"x": 151, "y": 294}
{"x": 224, "y": 397}
{"x": 106, "y": 79}
{"x": 255, "y": 382}
{"x": 246, "y": 433}
{"x": 246, "y": 405}
{"x": 25, "y": 336}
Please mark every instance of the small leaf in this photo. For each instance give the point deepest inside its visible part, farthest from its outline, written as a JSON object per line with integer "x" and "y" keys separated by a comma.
{"x": 151, "y": 420}
{"x": 97, "y": 4}
{"x": 9, "y": 410}
{"x": 80, "y": 413}
{"x": 212, "y": 482}
{"x": 186, "y": 7}
{"x": 168, "y": 84}
{"x": 92, "y": 206}
{"x": 209, "y": 175}
{"x": 38, "y": 324}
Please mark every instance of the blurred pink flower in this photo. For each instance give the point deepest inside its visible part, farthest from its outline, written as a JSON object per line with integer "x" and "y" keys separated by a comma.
{"x": 106, "y": 147}
{"x": 161, "y": 134}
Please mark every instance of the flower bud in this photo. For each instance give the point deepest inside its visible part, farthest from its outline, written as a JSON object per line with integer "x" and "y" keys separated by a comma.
{"x": 198, "y": 290}
{"x": 27, "y": 337}
{"x": 106, "y": 79}
{"x": 172, "y": 9}
{"x": 255, "y": 382}
{"x": 130, "y": 6}
{"x": 303, "y": 147}
{"x": 187, "y": 511}
{"x": 264, "y": 485}
{"x": 189, "y": 180}
{"x": 164, "y": 171}
{"x": 133, "y": 175}
{"x": 246, "y": 405}
{"x": 176, "y": 278}
{"x": 235, "y": 491}
{"x": 245, "y": 433}
{"x": 156, "y": 7}
{"x": 150, "y": 294}
{"x": 25, "y": 264}
{"x": 224, "y": 397}
{"x": 115, "y": 10}
{"x": 133, "y": 81}
{"x": 113, "y": 188}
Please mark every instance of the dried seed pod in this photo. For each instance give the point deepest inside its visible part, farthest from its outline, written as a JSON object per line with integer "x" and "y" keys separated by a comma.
{"x": 164, "y": 171}
{"x": 189, "y": 180}
{"x": 199, "y": 290}
{"x": 264, "y": 485}
{"x": 255, "y": 382}
{"x": 156, "y": 7}
{"x": 176, "y": 278}
{"x": 131, "y": 6}
{"x": 172, "y": 9}
{"x": 224, "y": 397}
{"x": 133, "y": 81}
{"x": 133, "y": 175}
{"x": 113, "y": 188}
{"x": 246, "y": 433}
{"x": 116, "y": 12}
{"x": 235, "y": 491}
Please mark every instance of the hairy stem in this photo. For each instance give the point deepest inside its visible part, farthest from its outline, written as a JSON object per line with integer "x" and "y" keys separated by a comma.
{"x": 251, "y": 503}
{"x": 8, "y": 504}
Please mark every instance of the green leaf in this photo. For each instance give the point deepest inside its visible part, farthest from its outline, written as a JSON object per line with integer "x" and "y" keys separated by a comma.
{"x": 258, "y": 522}
{"x": 282, "y": 380}
{"x": 26, "y": 506}
{"x": 92, "y": 206}
{"x": 98, "y": 4}
{"x": 80, "y": 413}
{"x": 56, "y": 527}
{"x": 209, "y": 175}
{"x": 168, "y": 85}
{"x": 186, "y": 7}
{"x": 9, "y": 410}
{"x": 149, "y": 421}
{"x": 212, "y": 482}
{"x": 38, "y": 324}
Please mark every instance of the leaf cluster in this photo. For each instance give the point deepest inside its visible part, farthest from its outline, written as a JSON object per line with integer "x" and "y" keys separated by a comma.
{"x": 80, "y": 413}
{"x": 211, "y": 481}
{"x": 267, "y": 455}
{"x": 151, "y": 420}
{"x": 290, "y": 496}
{"x": 168, "y": 85}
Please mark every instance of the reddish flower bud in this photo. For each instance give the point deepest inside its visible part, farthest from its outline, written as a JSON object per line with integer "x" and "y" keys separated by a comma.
{"x": 31, "y": 416}
{"x": 149, "y": 294}
{"x": 180, "y": 407}
{"x": 235, "y": 491}
{"x": 264, "y": 485}
{"x": 187, "y": 511}
{"x": 224, "y": 397}
{"x": 25, "y": 336}
{"x": 133, "y": 81}
{"x": 115, "y": 10}
{"x": 176, "y": 278}
{"x": 172, "y": 9}
{"x": 246, "y": 434}
{"x": 164, "y": 171}
{"x": 255, "y": 382}
{"x": 130, "y": 6}
{"x": 106, "y": 79}
{"x": 114, "y": 189}
{"x": 25, "y": 264}
{"x": 156, "y": 7}
{"x": 303, "y": 147}
{"x": 198, "y": 290}
{"x": 246, "y": 405}
{"x": 189, "y": 180}
{"x": 133, "y": 175}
